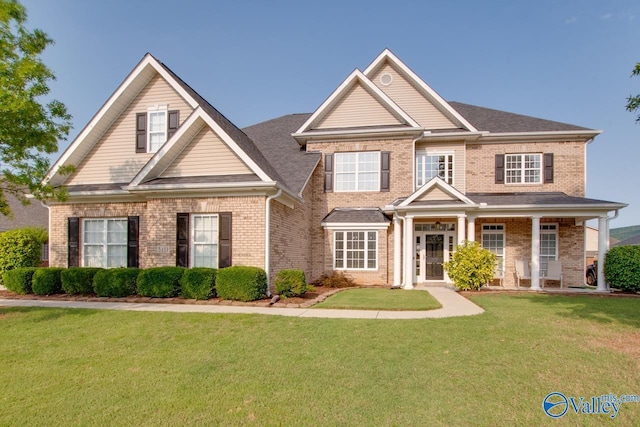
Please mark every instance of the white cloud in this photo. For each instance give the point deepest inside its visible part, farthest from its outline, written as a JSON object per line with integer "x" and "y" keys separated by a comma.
{"x": 606, "y": 16}
{"x": 570, "y": 20}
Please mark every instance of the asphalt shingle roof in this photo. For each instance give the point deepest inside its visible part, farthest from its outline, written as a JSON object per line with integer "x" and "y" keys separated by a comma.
{"x": 357, "y": 216}
{"x": 31, "y": 215}
{"x": 534, "y": 198}
{"x": 487, "y": 119}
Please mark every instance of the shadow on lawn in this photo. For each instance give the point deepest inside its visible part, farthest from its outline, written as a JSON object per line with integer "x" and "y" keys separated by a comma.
{"x": 43, "y": 314}
{"x": 598, "y": 308}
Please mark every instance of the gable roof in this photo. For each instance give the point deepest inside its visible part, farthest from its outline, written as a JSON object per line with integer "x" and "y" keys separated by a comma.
{"x": 439, "y": 102}
{"x": 31, "y": 215}
{"x": 437, "y": 183}
{"x": 356, "y": 77}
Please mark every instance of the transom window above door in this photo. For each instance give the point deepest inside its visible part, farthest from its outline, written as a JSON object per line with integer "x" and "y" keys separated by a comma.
{"x": 431, "y": 165}
{"x": 357, "y": 171}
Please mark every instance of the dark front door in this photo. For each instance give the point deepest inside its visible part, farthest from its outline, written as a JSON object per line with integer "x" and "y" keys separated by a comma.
{"x": 434, "y": 245}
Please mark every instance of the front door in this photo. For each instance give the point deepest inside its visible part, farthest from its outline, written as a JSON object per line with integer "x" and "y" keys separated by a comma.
{"x": 434, "y": 256}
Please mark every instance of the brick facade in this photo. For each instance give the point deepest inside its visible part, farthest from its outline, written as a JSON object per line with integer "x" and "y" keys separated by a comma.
{"x": 158, "y": 226}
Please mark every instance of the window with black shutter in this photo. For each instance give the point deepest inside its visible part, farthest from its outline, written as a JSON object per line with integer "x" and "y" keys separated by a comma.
{"x": 182, "y": 240}
{"x": 133, "y": 226}
{"x": 73, "y": 242}
{"x": 224, "y": 240}
{"x": 328, "y": 173}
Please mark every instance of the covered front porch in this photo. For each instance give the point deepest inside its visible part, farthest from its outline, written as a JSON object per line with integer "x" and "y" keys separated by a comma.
{"x": 531, "y": 229}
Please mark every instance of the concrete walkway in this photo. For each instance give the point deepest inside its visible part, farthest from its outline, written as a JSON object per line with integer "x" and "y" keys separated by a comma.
{"x": 453, "y": 305}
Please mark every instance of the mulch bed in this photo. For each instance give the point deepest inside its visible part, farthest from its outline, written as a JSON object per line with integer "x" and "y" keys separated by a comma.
{"x": 307, "y": 300}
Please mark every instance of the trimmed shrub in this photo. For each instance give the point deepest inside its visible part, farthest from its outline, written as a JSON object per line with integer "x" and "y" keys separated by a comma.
{"x": 19, "y": 280}
{"x": 622, "y": 268}
{"x": 21, "y": 247}
{"x": 335, "y": 279}
{"x": 116, "y": 282}
{"x": 241, "y": 283}
{"x": 198, "y": 283}
{"x": 47, "y": 281}
{"x": 160, "y": 282}
{"x": 290, "y": 283}
{"x": 78, "y": 280}
{"x": 471, "y": 266}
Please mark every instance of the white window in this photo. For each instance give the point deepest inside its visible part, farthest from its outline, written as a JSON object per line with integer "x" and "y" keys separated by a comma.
{"x": 204, "y": 240}
{"x": 430, "y": 165}
{"x": 156, "y": 130}
{"x": 493, "y": 240}
{"x": 523, "y": 168}
{"x": 356, "y": 250}
{"x": 357, "y": 171}
{"x": 548, "y": 246}
{"x": 104, "y": 242}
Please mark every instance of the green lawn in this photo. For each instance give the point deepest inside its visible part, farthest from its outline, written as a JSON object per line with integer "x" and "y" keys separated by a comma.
{"x": 380, "y": 299}
{"x": 88, "y": 367}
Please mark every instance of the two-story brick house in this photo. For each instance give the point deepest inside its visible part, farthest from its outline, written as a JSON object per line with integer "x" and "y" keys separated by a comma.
{"x": 382, "y": 181}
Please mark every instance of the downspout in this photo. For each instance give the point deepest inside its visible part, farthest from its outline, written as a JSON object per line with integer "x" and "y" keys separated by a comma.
{"x": 399, "y": 285}
{"x": 267, "y": 236}
{"x": 603, "y": 248}
{"x": 44, "y": 205}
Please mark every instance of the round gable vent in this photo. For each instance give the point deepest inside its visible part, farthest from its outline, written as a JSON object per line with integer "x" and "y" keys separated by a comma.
{"x": 386, "y": 79}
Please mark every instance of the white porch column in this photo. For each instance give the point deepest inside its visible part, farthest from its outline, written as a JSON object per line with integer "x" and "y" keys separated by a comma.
{"x": 407, "y": 259}
{"x": 460, "y": 229}
{"x": 535, "y": 253}
{"x": 397, "y": 251}
{"x": 603, "y": 247}
{"x": 471, "y": 228}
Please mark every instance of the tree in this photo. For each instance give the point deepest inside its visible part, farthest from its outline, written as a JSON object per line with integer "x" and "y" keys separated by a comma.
{"x": 29, "y": 127}
{"x": 633, "y": 102}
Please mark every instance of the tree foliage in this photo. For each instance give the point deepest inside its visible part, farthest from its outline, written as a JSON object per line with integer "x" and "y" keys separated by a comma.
{"x": 30, "y": 123}
{"x": 633, "y": 102}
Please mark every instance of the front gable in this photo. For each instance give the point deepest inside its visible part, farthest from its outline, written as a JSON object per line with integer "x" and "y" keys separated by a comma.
{"x": 104, "y": 151}
{"x": 113, "y": 158}
{"x": 436, "y": 190}
{"x": 206, "y": 154}
{"x": 357, "y": 103}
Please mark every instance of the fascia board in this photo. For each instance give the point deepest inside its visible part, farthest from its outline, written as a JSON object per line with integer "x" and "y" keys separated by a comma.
{"x": 147, "y": 61}
{"x": 427, "y": 90}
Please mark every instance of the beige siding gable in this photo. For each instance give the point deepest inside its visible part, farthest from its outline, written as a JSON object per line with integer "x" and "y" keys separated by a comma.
{"x": 113, "y": 159}
{"x": 407, "y": 96}
{"x": 436, "y": 193}
{"x": 206, "y": 154}
{"x": 357, "y": 108}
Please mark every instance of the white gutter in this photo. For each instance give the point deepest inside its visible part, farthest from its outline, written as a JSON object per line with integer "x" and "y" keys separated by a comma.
{"x": 267, "y": 237}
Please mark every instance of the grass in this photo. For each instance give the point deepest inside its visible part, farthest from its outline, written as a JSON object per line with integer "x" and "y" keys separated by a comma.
{"x": 89, "y": 367}
{"x": 380, "y": 299}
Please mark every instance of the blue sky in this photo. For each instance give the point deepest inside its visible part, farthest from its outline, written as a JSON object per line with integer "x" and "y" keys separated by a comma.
{"x": 568, "y": 61}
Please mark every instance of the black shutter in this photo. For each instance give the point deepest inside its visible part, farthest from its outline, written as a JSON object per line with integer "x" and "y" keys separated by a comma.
{"x": 384, "y": 170}
{"x": 141, "y": 132}
{"x": 173, "y": 123}
{"x": 224, "y": 240}
{"x": 328, "y": 173}
{"x": 182, "y": 240}
{"x": 548, "y": 168}
{"x": 73, "y": 242}
{"x": 133, "y": 227}
{"x": 499, "y": 168}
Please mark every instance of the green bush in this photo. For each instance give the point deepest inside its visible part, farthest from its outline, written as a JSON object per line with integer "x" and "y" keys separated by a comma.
{"x": 290, "y": 283}
{"x": 47, "y": 281}
{"x": 622, "y": 268}
{"x": 241, "y": 283}
{"x": 471, "y": 266}
{"x": 335, "y": 279}
{"x": 160, "y": 282}
{"x": 19, "y": 280}
{"x": 116, "y": 282}
{"x": 198, "y": 283}
{"x": 78, "y": 280}
{"x": 21, "y": 247}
